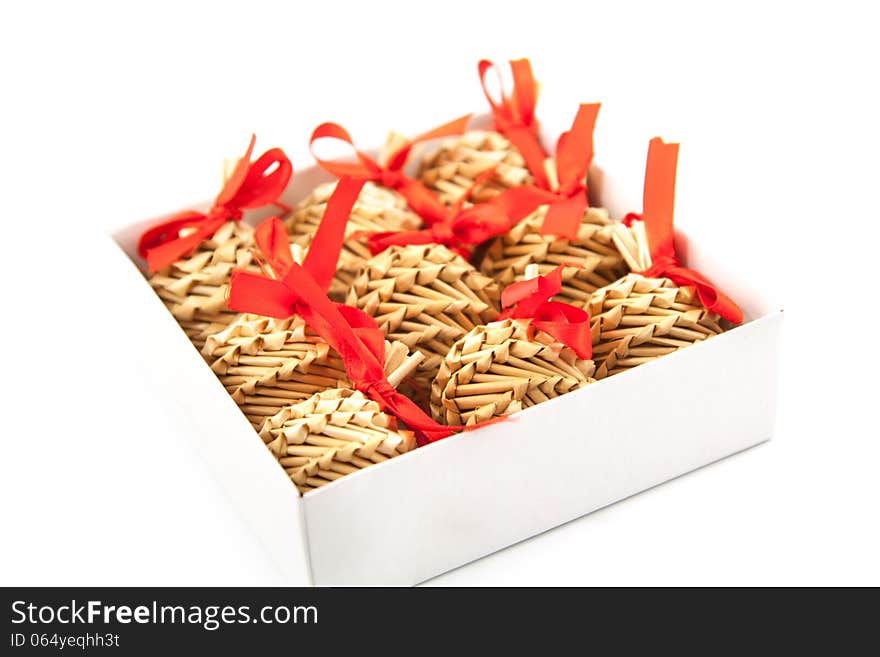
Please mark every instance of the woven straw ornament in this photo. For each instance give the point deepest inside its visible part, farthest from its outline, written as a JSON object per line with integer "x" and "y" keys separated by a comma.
{"x": 594, "y": 251}
{"x": 332, "y": 434}
{"x": 427, "y": 297}
{"x": 453, "y": 169}
{"x": 377, "y": 209}
{"x": 267, "y": 364}
{"x": 500, "y": 368}
{"x": 637, "y": 319}
{"x": 194, "y": 288}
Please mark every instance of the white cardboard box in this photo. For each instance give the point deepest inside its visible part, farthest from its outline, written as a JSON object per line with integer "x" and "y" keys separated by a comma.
{"x": 441, "y": 506}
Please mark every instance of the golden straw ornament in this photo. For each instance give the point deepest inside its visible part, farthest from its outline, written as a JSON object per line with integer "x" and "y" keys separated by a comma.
{"x": 332, "y": 434}
{"x": 665, "y": 306}
{"x": 554, "y": 224}
{"x": 192, "y": 254}
{"x": 194, "y": 288}
{"x": 452, "y": 169}
{"x": 507, "y": 365}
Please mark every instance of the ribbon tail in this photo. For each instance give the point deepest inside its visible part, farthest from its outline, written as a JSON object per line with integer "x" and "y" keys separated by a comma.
{"x": 526, "y": 142}
{"x": 425, "y": 428}
{"x": 378, "y": 242}
{"x": 659, "y": 197}
{"x": 397, "y": 159}
{"x": 519, "y": 202}
{"x": 166, "y": 253}
{"x": 326, "y": 245}
{"x": 710, "y": 296}
{"x": 724, "y": 306}
{"x": 423, "y": 201}
{"x": 574, "y": 335}
{"x": 254, "y": 293}
{"x": 574, "y": 149}
{"x": 564, "y": 217}
{"x": 273, "y": 242}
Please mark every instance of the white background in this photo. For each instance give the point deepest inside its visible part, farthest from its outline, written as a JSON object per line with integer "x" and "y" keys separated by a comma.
{"x": 112, "y": 113}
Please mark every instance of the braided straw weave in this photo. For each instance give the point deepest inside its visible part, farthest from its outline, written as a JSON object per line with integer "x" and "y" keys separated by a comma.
{"x": 425, "y": 296}
{"x": 376, "y": 209}
{"x": 637, "y": 319}
{"x": 452, "y": 169}
{"x": 500, "y": 368}
{"x": 332, "y": 434}
{"x": 267, "y": 364}
{"x": 594, "y": 251}
{"x": 194, "y": 288}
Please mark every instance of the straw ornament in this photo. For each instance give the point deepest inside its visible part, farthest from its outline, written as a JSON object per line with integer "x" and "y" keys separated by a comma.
{"x": 267, "y": 363}
{"x": 665, "y": 306}
{"x": 427, "y": 297}
{"x": 377, "y": 208}
{"x": 538, "y": 349}
{"x": 638, "y": 319}
{"x": 194, "y": 288}
{"x": 503, "y": 367}
{"x": 332, "y": 434}
{"x": 593, "y": 250}
{"x": 451, "y": 170}
{"x": 191, "y": 255}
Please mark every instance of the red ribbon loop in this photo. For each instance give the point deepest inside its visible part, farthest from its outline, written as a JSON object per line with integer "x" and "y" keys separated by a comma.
{"x": 514, "y": 113}
{"x": 251, "y": 185}
{"x": 659, "y": 204}
{"x": 421, "y": 199}
{"x": 565, "y": 323}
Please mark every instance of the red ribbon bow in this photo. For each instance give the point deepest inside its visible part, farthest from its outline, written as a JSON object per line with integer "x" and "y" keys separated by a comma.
{"x": 514, "y": 113}
{"x": 568, "y": 202}
{"x": 658, "y": 204}
{"x": 251, "y": 185}
{"x": 421, "y": 199}
{"x": 461, "y": 228}
{"x": 566, "y": 323}
{"x": 302, "y": 290}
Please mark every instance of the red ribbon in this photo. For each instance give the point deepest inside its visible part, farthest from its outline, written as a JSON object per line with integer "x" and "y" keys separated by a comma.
{"x": 514, "y": 114}
{"x": 658, "y": 204}
{"x": 302, "y": 290}
{"x": 251, "y": 185}
{"x": 567, "y": 203}
{"x": 459, "y": 230}
{"x": 474, "y": 225}
{"x": 565, "y": 323}
{"x": 421, "y": 199}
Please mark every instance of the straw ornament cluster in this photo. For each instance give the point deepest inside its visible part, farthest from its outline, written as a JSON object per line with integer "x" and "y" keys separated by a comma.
{"x": 194, "y": 288}
{"x": 451, "y": 170}
{"x": 332, "y": 434}
{"x": 593, "y": 250}
{"x": 266, "y": 364}
{"x": 377, "y": 208}
{"x": 426, "y": 297}
{"x": 502, "y": 367}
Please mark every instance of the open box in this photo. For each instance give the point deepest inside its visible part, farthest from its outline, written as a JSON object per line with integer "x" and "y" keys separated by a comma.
{"x": 443, "y": 505}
